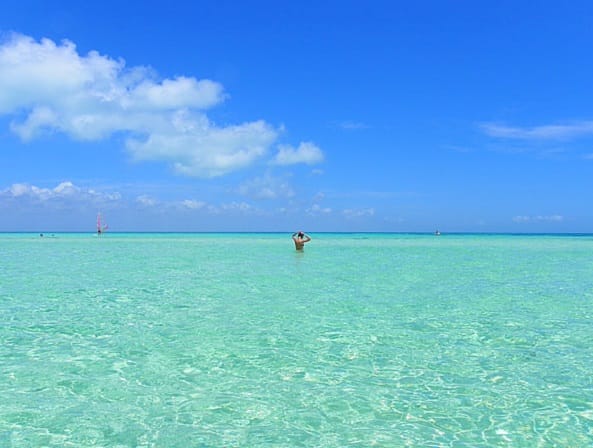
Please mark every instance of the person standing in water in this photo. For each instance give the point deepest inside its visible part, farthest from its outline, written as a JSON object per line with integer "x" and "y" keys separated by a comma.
{"x": 300, "y": 238}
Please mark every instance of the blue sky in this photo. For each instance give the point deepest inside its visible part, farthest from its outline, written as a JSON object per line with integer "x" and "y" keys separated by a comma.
{"x": 279, "y": 116}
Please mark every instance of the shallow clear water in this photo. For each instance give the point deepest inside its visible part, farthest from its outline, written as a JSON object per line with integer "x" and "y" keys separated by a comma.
{"x": 237, "y": 340}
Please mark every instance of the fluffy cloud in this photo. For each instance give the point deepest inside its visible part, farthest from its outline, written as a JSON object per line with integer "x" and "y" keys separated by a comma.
{"x": 49, "y": 87}
{"x": 307, "y": 153}
{"x": 195, "y": 147}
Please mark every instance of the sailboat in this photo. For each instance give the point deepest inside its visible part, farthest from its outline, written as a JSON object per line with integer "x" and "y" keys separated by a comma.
{"x": 101, "y": 228}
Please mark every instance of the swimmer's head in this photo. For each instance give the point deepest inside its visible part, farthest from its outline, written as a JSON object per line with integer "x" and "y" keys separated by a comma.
{"x": 301, "y": 234}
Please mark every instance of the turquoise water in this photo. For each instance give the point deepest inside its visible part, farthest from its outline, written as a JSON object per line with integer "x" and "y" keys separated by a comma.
{"x": 237, "y": 340}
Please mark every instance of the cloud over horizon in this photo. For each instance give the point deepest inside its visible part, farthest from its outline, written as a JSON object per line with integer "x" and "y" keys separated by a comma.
{"x": 523, "y": 219}
{"x": 63, "y": 190}
{"x": 50, "y": 87}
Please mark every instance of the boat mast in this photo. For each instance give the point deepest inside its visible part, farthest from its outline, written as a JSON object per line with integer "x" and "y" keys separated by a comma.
{"x": 100, "y": 228}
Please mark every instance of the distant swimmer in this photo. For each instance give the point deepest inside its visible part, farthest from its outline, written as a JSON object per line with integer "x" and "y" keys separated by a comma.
{"x": 300, "y": 238}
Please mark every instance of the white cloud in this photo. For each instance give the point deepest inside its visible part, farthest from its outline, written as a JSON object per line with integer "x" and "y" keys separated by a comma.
{"x": 193, "y": 204}
{"x": 195, "y": 147}
{"x": 546, "y": 132}
{"x": 535, "y": 219}
{"x": 320, "y": 196}
{"x": 49, "y": 87}
{"x": 242, "y": 206}
{"x": 307, "y": 152}
{"x": 63, "y": 190}
{"x": 266, "y": 187}
{"x": 234, "y": 207}
{"x": 17, "y": 190}
{"x": 147, "y": 201}
{"x": 174, "y": 94}
{"x": 66, "y": 189}
{"x": 316, "y": 209}
{"x": 357, "y": 213}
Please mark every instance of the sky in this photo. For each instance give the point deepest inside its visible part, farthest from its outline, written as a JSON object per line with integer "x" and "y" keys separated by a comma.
{"x": 346, "y": 116}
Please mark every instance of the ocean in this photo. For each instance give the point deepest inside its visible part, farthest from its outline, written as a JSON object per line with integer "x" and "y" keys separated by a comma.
{"x": 238, "y": 340}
